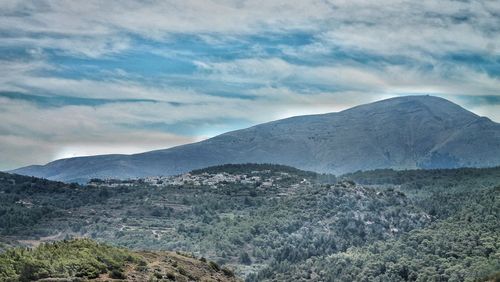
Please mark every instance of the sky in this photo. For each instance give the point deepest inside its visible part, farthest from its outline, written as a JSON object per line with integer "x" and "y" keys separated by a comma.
{"x": 95, "y": 77}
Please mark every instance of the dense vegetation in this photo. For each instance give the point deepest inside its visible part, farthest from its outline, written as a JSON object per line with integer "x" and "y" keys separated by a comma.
{"x": 462, "y": 247}
{"x": 75, "y": 258}
{"x": 246, "y": 168}
{"x": 84, "y": 259}
{"x": 417, "y": 225}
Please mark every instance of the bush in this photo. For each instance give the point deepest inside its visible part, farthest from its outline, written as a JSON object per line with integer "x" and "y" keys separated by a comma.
{"x": 228, "y": 272}
{"x": 182, "y": 271}
{"x": 214, "y": 266}
{"x": 117, "y": 274}
{"x": 170, "y": 276}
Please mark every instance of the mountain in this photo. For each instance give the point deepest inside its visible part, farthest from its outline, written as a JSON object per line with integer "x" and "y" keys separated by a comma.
{"x": 399, "y": 133}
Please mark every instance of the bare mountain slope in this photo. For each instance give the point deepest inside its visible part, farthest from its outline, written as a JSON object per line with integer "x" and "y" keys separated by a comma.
{"x": 400, "y": 133}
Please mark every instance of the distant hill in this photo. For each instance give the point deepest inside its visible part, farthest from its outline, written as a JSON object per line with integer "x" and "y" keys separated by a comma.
{"x": 399, "y": 133}
{"x": 249, "y": 167}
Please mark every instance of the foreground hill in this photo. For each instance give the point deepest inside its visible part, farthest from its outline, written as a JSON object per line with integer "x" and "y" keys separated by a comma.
{"x": 86, "y": 260}
{"x": 400, "y": 133}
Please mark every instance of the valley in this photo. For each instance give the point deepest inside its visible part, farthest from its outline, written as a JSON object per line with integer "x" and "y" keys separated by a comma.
{"x": 285, "y": 224}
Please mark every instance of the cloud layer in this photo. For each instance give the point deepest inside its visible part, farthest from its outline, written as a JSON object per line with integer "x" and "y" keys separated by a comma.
{"x": 92, "y": 77}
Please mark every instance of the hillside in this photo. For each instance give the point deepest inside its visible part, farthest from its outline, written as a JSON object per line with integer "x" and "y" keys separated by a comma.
{"x": 244, "y": 225}
{"x": 283, "y": 224}
{"x": 460, "y": 244}
{"x": 400, "y": 133}
{"x": 86, "y": 260}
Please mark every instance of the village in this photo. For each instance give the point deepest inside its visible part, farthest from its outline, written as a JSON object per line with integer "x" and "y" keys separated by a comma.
{"x": 262, "y": 179}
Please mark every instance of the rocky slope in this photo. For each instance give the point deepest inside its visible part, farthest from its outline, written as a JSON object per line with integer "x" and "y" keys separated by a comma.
{"x": 399, "y": 133}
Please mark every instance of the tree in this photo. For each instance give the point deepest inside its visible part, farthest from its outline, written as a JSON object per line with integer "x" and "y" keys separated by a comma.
{"x": 245, "y": 258}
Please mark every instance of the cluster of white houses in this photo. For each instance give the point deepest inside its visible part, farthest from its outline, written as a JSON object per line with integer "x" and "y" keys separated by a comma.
{"x": 208, "y": 179}
{"x": 259, "y": 178}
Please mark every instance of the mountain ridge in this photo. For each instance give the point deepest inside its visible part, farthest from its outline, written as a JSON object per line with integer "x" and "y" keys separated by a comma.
{"x": 400, "y": 133}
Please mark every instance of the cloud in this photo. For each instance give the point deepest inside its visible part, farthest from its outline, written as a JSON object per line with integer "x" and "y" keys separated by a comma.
{"x": 490, "y": 111}
{"x": 30, "y": 134}
{"x": 94, "y": 27}
{"x": 90, "y": 77}
{"x": 382, "y": 79}
{"x": 159, "y": 17}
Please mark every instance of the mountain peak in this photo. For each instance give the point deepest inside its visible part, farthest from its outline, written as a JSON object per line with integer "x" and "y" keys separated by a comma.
{"x": 434, "y": 104}
{"x": 400, "y": 133}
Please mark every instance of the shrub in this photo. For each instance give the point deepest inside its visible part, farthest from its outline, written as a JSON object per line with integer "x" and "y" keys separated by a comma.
{"x": 214, "y": 266}
{"x": 170, "y": 276}
{"x": 228, "y": 272}
{"x": 117, "y": 274}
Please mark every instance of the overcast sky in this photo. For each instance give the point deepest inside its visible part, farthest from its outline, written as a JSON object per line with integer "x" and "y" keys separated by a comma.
{"x": 93, "y": 77}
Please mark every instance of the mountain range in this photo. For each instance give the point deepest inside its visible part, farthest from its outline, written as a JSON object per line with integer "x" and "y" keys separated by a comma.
{"x": 400, "y": 133}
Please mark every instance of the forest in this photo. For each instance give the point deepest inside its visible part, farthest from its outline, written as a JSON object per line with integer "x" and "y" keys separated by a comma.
{"x": 85, "y": 259}
{"x": 382, "y": 225}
